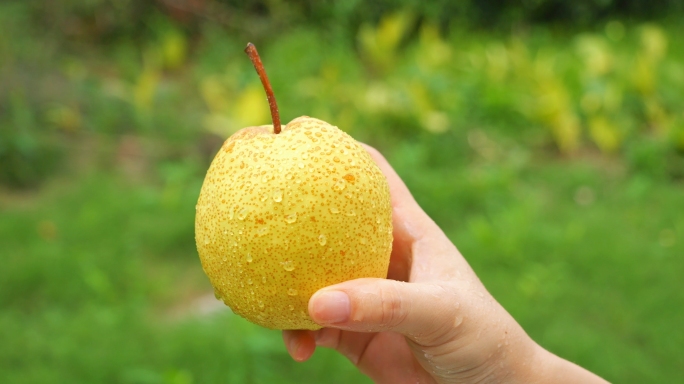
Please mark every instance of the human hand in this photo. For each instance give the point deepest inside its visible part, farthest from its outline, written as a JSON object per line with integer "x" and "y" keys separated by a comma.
{"x": 431, "y": 321}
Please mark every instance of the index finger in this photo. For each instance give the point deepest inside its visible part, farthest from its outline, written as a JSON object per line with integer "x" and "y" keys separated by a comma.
{"x": 418, "y": 241}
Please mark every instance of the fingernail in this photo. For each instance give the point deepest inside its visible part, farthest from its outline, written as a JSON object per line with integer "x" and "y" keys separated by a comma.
{"x": 330, "y": 307}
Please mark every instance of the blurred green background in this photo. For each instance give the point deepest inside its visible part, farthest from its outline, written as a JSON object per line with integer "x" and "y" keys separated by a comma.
{"x": 545, "y": 137}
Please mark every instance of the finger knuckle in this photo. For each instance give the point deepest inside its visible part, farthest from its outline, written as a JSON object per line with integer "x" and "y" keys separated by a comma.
{"x": 393, "y": 308}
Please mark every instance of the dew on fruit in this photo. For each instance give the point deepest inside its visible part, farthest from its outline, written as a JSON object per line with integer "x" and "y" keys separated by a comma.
{"x": 249, "y": 281}
{"x": 263, "y": 279}
{"x": 206, "y": 240}
{"x": 231, "y": 213}
{"x": 300, "y": 165}
{"x": 339, "y": 185}
{"x": 336, "y": 159}
{"x": 262, "y": 231}
{"x": 288, "y": 266}
{"x": 292, "y": 292}
{"x": 321, "y": 239}
{"x": 260, "y": 304}
{"x": 225, "y": 258}
{"x": 291, "y": 218}
{"x": 334, "y": 210}
{"x": 288, "y": 176}
{"x": 249, "y": 258}
{"x": 351, "y": 213}
{"x": 291, "y": 307}
{"x": 277, "y": 195}
{"x": 242, "y": 214}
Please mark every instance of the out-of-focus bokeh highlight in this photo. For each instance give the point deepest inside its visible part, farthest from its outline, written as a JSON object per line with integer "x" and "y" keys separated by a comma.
{"x": 546, "y": 138}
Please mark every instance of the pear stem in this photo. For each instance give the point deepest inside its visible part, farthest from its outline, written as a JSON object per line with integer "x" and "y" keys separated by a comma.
{"x": 251, "y": 51}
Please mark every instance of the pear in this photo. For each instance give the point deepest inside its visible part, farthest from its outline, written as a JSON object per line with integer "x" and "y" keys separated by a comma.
{"x": 285, "y": 211}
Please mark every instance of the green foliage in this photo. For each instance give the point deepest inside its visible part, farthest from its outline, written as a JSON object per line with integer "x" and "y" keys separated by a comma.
{"x": 553, "y": 157}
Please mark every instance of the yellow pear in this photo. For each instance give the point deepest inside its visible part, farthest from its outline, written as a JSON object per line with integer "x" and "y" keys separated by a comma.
{"x": 285, "y": 212}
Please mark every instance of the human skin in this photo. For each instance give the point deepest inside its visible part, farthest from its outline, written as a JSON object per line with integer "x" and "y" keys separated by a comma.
{"x": 431, "y": 321}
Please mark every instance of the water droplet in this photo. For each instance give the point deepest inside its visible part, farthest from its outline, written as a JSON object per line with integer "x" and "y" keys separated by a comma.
{"x": 348, "y": 195}
{"x": 322, "y": 239}
{"x": 291, "y": 218}
{"x": 263, "y": 279}
{"x": 334, "y": 210}
{"x": 339, "y": 185}
{"x": 292, "y": 292}
{"x": 264, "y": 197}
{"x": 231, "y": 213}
{"x": 206, "y": 240}
{"x": 300, "y": 165}
{"x": 336, "y": 159}
{"x": 242, "y": 214}
{"x": 351, "y": 213}
{"x": 262, "y": 231}
{"x": 261, "y": 304}
{"x": 288, "y": 176}
{"x": 264, "y": 178}
{"x": 249, "y": 258}
{"x": 277, "y": 195}
{"x": 288, "y": 266}
{"x": 249, "y": 281}
{"x": 291, "y": 307}
{"x": 225, "y": 258}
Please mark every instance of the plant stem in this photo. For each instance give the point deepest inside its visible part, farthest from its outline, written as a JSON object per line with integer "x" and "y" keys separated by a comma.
{"x": 251, "y": 51}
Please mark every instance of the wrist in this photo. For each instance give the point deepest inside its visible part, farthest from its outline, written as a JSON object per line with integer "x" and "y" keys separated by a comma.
{"x": 545, "y": 367}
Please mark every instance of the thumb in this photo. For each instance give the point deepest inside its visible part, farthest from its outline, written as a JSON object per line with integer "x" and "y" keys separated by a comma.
{"x": 425, "y": 313}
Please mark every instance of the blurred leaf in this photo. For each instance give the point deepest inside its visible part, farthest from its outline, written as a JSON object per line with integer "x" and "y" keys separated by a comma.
{"x": 605, "y": 134}
{"x": 380, "y": 43}
{"x": 145, "y": 89}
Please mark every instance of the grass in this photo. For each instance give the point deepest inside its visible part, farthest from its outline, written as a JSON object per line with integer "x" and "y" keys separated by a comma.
{"x": 96, "y": 268}
{"x": 552, "y": 158}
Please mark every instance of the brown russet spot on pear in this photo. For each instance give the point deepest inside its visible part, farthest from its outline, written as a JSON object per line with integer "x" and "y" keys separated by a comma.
{"x": 285, "y": 212}
{"x": 273, "y": 232}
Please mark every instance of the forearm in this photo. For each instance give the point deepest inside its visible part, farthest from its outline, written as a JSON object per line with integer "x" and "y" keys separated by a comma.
{"x": 549, "y": 368}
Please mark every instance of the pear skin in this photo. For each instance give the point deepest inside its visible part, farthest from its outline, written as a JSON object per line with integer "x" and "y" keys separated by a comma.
{"x": 282, "y": 215}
